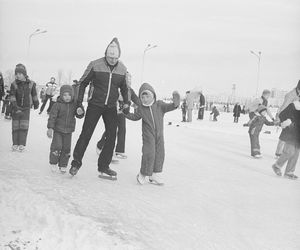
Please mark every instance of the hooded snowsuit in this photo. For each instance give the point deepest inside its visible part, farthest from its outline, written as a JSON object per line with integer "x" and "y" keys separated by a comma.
{"x": 105, "y": 81}
{"x": 152, "y": 129}
{"x": 22, "y": 95}
{"x": 62, "y": 121}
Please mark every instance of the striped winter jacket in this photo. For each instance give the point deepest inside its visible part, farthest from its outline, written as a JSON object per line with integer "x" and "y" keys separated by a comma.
{"x": 104, "y": 83}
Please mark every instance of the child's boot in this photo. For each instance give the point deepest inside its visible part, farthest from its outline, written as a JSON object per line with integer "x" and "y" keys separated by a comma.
{"x": 277, "y": 170}
{"x": 156, "y": 179}
{"x": 121, "y": 155}
{"x": 21, "y": 148}
{"x": 291, "y": 176}
{"x": 141, "y": 179}
{"x": 15, "y": 148}
{"x": 63, "y": 170}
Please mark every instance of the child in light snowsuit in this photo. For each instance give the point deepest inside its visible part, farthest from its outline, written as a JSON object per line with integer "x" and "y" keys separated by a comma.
{"x": 215, "y": 112}
{"x": 22, "y": 95}
{"x": 290, "y": 118}
{"x": 152, "y": 112}
{"x": 61, "y": 125}
{"x": 255, "y": 127}
{"x": 184, "y": 108}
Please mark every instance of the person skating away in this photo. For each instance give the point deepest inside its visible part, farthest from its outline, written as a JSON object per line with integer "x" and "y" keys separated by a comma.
{"x": 255, "y": 126}
{"x": 201, "y": 106}
{"x": 106, "y": 75}
{"x": 184, "y": 108}
{"x": 50, "y": 92}
{"x": 263, "y": 100}
{"x": 215, "y": 113}
{"x": 2, "y": 91}
{"x": 152, "y": 112}
{"x": 290, "y": 122}
{"x": 237, "y": 110}
{"x": 22, "y": 95}
{"x": 290, "y": 97}
{"x": 121, "y": 134}
{"x": 61, "y": 125}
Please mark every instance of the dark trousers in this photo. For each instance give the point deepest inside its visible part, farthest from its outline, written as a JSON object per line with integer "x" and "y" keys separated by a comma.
{"x": 60, "y": 149}
{"x": 121, "y": 135}
{"x": 92, "y": 117}
{"x": 215, "y": 117}
{"x": 184, "y": 115}
{"x": 20, "y": 125}
{"x": 236, "y": 119}
{"x": 255, "y": 147}
{"x": 48, "y": 97}
{"x": 6, "y": 108}
{"x": 201, "y": 113}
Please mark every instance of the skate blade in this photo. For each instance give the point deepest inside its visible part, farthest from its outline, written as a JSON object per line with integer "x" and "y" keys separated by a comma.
{"x": 107, "y": 177}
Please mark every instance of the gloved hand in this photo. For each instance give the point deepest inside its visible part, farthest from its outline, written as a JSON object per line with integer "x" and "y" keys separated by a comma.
{"x": 126, "y": 109}
{"x": 286, "y": 123}
{"x": 50, "y": 133}
{"x": 79, "y": 113}
{"x": 36, "y": 106}
{"x": 176, "y": 98}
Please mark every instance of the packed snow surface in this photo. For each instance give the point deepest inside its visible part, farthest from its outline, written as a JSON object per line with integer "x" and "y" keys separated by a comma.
{"x": 215, "y": 195}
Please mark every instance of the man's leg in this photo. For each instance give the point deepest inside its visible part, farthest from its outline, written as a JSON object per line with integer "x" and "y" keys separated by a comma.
{"x": 110, "y": 121}
{"x": 279, "y": 148}
{"x": 288, "y": 150}
{"x": 65, "y": 151}
{"x": 292, "y": 162}
{"x": 50, "y": 105}
{"x": 202, "y": 114}
{"x": 121, "y": 136}
{"x": 44, "y": 103}
{"x": 100, "y": 144}
{"x": 92, "y": 116}
{"x": 55, "y": 148}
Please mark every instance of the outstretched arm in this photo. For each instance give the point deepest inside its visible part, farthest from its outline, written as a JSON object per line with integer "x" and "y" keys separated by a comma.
{"x": 136, "y": 100}
{"x": 133, "y": 116}
{"x": 167, "y": 107}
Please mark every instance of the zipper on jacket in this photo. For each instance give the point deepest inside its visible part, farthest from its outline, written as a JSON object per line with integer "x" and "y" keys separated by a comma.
{"x": 152, "y": 116}
{"x": 109, "y": 86}
{"x": 68, "y": 110}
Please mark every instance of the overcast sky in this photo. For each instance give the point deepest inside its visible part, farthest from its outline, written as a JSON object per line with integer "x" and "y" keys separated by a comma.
{"x": 200, "y": 43}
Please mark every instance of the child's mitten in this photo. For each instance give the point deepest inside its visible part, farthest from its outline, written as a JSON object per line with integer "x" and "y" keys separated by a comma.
{"x": 286, "y": 123}
{"x": 79, "y": 113}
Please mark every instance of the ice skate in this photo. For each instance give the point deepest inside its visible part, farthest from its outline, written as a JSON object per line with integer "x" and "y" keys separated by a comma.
{"x": 156, "y": 179}
{"x": 53, "y": 168}
{"x": 73, "y": 170}
{"x": 121, "y": 156}
{"x": 257, "y": 156}
{"x": 21, "y": 148}
{"x": 15, "y": 148}
{"x": 108, "y": 174}
{"x": 277, "y": 170}
{"x": 63, "y": 170}
{"x": 291, "y": 176}
{"x": 141, "y": 179}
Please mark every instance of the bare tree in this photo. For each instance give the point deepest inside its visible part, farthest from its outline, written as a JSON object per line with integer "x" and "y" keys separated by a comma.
{"x": 70, "y": 76}
{"x": 60, "y": 75}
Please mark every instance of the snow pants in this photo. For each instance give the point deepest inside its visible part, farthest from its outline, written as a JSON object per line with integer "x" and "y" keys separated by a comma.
{"x": 201, "y": 113}
{"x": 121, "y": 135}
{"x": 290, "y": 154}
{"x": 20, "y": 126}
{"x": 153, "y": 155}
{"x": 93, "y": 114}
{"x": 60, "y": 149}
{"x": 255, "y": 147}
{"x": 190, "y": 115}
{"x": 48, "y": 97}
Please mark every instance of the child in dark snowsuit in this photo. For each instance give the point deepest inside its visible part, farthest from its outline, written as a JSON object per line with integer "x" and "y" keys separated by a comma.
{"x": 215, "y": 112}
{"x": 237, "y": 110}
{"x": 290, "y": 118}
{"x": 184, "y": 110}
{"x": 61, "y": 125}
{"x": 255, "y": 127}
{"x": 22, "y": 95}
{"x": 152, "y": 114}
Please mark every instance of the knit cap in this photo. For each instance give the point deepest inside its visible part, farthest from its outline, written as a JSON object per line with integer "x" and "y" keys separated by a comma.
{"x": 20, "y": 68}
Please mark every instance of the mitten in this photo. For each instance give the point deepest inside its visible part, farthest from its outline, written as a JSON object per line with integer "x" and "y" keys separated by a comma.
{"x": 79, "y": 113}
{"x": 126, "y": 109}
{"x": 286, "y": 123}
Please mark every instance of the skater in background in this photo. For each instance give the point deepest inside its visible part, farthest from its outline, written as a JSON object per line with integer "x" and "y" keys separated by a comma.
{"x": 255, "y": 127}
{"x": 201, "y": 106}
{"x": 290, "y": 122}
{"x": 50, "y": 92}
{"x": 292, "y": 96}
{"x": 22, "y": 95}
{"x": 190, "y": 106}
{"x": 105, "y": 76}
{"x": 121, "y": 133}
{"x": 42, "y": 95}
{"x": 152, "y": 112}
{"x": 237, "y": 110}
{"x": 184, "y": 110}
{"x": 2, "y": 92}
{"x": 61, "y": 125}
{"x": 215, "y": 113}
{"x": 6, "y": 107}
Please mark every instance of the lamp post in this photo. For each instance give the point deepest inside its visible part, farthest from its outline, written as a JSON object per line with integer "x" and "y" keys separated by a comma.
{"x": 258, "y": 55}
{"x": 149, "y": 46}
{"x": 35, "y": 33}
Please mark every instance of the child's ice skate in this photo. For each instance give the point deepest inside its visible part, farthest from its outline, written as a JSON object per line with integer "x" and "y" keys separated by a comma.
{"x": 63, "y": 170}
{"x": 156, "y": 179}
{"x": 277, "y": 170}
{"x": 291, "y": 176}
{"x": 21, "y": 148}
{"x": 15, "y": 148}
{"x": 141, "y": 179}
{"x": 53, "y": 168}
{"x": 121, "y": 156}
{"x": 108, "y": 174}
{"x": 257, "y": 156}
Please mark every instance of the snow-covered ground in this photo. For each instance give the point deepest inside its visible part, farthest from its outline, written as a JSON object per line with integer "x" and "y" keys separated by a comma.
{"x": 215, "y": 196}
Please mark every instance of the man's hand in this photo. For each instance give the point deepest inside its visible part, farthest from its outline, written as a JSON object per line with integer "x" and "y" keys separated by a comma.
{"x": 126, "y": 109}
{"x": 79, "y": 111}
{"x": 50, "y": 133}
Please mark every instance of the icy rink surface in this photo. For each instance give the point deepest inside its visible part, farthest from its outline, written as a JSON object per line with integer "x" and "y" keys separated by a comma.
{"x": 215, "y": 195}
